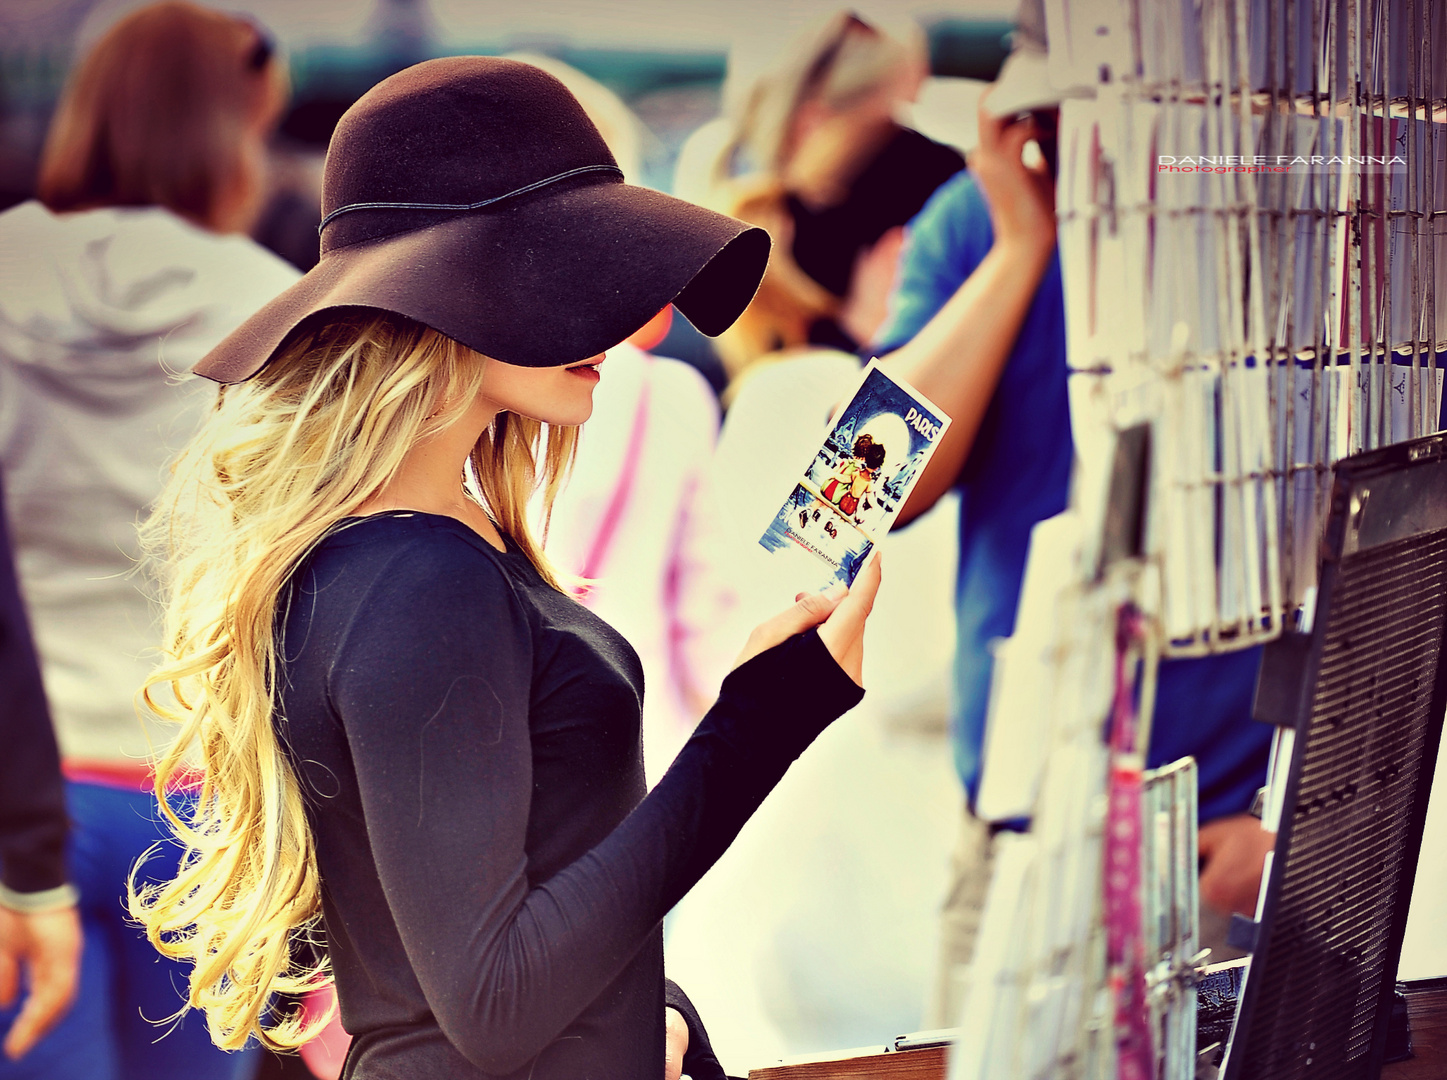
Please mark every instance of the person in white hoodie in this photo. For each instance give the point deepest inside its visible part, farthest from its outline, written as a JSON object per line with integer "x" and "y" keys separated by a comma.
{"x": 132, "y": 264}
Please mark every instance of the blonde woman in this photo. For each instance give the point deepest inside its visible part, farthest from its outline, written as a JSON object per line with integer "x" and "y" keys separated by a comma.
{"x": 420, "y": 753}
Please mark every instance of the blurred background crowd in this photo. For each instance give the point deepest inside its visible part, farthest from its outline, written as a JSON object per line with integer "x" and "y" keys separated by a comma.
{"x": 831, "y": 128}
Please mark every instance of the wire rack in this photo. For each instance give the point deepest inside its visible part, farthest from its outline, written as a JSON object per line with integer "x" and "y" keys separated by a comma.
{"x": 1253, "y": 207}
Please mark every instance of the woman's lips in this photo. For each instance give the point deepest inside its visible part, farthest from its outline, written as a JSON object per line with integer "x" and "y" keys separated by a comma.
{"x": 588, "y": 370}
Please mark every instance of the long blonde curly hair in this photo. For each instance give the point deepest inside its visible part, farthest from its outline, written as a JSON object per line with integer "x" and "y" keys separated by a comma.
{"x": 282, "y": 460}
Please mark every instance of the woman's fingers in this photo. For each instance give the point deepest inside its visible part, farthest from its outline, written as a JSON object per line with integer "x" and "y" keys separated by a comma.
{"x": 843, "y": 632}
{"x": 838, "y": 611}
{"x": 809, "y": 610}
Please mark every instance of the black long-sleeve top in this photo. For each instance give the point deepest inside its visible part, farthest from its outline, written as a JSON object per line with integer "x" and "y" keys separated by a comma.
{"x": 32, "y": 795}
{"x": 493, "y": 876}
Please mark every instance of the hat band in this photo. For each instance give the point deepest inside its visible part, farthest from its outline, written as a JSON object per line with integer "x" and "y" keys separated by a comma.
{"x": 455, "y": 207}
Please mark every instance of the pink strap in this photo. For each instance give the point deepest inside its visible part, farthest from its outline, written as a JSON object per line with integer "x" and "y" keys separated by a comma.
{"x": 1135, "y": 1056}
{"x": 623, "y": 492}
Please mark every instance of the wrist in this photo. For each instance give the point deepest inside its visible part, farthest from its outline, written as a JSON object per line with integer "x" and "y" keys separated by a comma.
{"x": 1026, "y": 247}
{"x": 38, "y": 903}
{"x": 776, "y": 703}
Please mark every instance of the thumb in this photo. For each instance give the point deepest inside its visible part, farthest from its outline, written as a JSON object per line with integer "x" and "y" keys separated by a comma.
{"x": 808, "y": 610}
{"x": 848, "y": 616}
{"x": 843, "y": 633}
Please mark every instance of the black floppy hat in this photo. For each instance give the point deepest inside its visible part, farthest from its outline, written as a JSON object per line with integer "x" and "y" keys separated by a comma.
{"x": 474, "y": 195}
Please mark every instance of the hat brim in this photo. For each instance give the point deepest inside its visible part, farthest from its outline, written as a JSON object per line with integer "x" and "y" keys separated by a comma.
{"x": 546, "y": 280}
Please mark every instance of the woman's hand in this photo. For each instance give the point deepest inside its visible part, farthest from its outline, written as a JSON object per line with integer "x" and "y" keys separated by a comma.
{"x": 675, "y": 1043}
{"x": 839, "y": 612}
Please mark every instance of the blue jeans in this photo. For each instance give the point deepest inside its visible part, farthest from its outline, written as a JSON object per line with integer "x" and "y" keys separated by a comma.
{"x": 126, "y": 986}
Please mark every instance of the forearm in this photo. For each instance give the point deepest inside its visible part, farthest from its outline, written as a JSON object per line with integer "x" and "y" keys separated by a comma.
{"x": 543, "y": 954}
{"x": 32, "y": 794}
{"x": 957, "y": 357}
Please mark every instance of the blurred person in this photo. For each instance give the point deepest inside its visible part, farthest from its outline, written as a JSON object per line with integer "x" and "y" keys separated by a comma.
{"x": 636, "y": 522}
{"x": 977, "y": 325}
{"x": 635, "y": 519}
{"x": 415, "y": 740}
{"x": 765, "y": 999}
{"x": 39, "y": 926}
{"x": 291, "y": 210}
{"x": 132, "y": 264}
{"x": 815, "y": 154}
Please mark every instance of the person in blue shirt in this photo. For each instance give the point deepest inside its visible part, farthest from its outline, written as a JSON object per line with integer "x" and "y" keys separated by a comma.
{"x": 977, "y": 325}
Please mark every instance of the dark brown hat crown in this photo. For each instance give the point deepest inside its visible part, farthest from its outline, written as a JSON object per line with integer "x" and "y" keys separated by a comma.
{"x": 455, "y": 132}
{"x": 473, "y": 195}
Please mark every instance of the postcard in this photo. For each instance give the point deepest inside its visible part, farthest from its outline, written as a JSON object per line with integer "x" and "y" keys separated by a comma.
{"x": 851, "y": 493}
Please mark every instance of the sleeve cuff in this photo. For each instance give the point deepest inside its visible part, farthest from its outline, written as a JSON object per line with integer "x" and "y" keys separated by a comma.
{"x": 798, "y": 677}
{"x": 36, "y": 903}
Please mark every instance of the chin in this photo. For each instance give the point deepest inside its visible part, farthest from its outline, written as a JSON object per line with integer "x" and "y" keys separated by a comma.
{"x": 572, "y": 417}
{"x": 571, "y": 401}
{"x": 560, "y": 410}
{"x": 553, "y": 396}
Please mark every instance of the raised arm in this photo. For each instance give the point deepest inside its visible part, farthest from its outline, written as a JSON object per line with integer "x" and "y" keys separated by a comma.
{"x": 436, "y": 717}
{"x": 957, "y": 356}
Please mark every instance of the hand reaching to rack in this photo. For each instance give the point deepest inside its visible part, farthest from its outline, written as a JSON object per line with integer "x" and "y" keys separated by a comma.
{"x": 1233, "y": 850}
{"x": 1021, "y": 197}
{"x": 957, "y": 358}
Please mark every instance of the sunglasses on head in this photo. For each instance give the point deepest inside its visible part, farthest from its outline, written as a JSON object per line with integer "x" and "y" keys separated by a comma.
{"x": 824, "y": 61}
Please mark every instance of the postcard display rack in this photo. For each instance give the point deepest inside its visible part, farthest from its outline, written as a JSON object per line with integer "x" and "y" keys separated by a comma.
{"x": 1252, "y": 200}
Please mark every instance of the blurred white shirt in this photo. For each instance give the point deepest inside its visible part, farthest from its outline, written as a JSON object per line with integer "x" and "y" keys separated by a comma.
{"x": 636, "y": 517}
{"x": 102, "y": 314}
